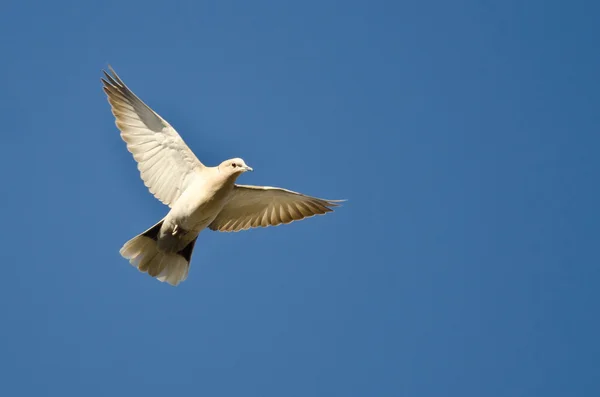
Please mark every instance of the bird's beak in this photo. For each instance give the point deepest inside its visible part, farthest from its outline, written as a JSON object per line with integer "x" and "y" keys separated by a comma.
{"x": 249, "y": 168}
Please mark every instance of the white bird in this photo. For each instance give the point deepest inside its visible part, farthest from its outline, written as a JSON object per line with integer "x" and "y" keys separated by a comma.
{"x": 199, "y": 197}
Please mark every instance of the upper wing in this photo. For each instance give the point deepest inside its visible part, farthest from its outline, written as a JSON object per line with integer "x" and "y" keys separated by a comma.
{"x": 261, "y": 206}
{"x": 167, "y": 166}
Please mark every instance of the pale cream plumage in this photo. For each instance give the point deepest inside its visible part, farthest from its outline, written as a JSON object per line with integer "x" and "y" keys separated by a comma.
{"x": 261, "y": 206}
{"x": 165, "y": 162}
{"x": 199, "y": 197}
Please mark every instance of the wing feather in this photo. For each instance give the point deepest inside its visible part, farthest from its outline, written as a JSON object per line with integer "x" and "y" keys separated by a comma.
{"x": 262, "y": 206}
{"x": 166, "y": 164}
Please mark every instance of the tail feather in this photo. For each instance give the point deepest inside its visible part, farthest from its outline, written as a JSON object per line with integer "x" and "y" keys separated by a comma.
{"x": 142, "y": 252}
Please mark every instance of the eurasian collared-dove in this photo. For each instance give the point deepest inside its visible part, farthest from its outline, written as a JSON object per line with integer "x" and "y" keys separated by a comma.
{"x": 199, "y": 196}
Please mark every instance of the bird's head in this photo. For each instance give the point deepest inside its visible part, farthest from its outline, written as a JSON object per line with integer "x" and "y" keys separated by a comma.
{"x": 234, "y": 166}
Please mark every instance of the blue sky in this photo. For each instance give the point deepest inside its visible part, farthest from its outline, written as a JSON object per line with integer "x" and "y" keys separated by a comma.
{"x": 464, "y": 134}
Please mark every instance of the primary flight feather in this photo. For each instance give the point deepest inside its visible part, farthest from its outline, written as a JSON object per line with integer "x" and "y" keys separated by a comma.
{"x": 200, "y": 197}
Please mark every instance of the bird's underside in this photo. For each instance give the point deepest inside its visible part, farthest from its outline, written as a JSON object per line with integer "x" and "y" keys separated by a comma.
{"x": 199, "y": 197}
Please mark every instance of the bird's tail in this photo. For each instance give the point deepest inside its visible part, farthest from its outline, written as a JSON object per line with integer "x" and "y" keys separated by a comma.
{"x": 142, "y": 252}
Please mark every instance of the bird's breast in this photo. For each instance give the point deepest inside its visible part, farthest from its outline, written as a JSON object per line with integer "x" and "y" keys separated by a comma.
{"x": 198, "y": 206}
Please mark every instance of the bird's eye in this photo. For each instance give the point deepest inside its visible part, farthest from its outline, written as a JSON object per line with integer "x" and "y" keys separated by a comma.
{"x": 234, "y": 165}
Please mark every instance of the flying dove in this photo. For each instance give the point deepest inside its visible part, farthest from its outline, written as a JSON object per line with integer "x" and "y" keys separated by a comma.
{"x": 199, "y": 197}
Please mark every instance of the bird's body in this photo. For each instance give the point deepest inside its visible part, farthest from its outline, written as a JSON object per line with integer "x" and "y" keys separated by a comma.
{"x": 199, "y": 197}
{"x": 197, "y": 207}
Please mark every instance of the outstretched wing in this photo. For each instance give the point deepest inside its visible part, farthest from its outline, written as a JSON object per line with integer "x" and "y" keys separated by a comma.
{"x": 166, "y": 164}
{"x": 262, "y": 206}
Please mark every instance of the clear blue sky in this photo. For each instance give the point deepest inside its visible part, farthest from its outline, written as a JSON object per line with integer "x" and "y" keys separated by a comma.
{"x": 464, "y": 134}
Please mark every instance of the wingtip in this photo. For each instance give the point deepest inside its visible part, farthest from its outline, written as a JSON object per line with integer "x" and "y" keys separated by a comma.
{"x": 112, "y": 75}
{"x": 108, "y": 67}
